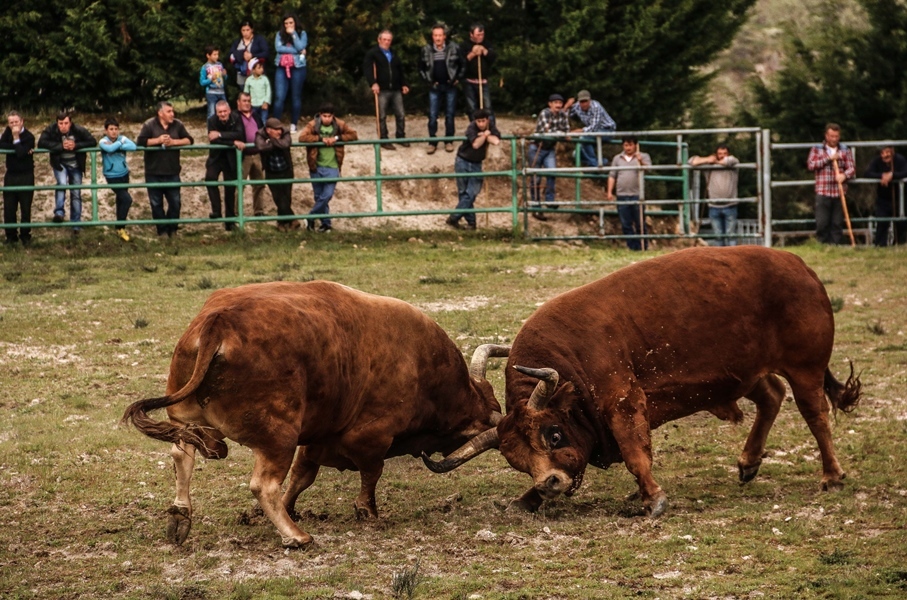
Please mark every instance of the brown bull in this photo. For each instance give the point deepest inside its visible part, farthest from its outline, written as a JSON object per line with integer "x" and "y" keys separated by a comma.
{"x": 349, "y": 377}
{"x": 656, "y": 341}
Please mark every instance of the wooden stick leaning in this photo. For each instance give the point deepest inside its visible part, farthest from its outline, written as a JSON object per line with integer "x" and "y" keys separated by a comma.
{"x": 642, "y": 214}
{"x": 853, "y": 242}
{"x": 377, "y": 108}
{"x": 481, "y": 95}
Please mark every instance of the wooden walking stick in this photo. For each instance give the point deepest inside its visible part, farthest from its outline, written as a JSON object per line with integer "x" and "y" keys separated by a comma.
{"x": 481, "y": 95}
{"x": 377, "y": 108}
{"x": 642, "y": 214}
{"x": 853, "y": 242}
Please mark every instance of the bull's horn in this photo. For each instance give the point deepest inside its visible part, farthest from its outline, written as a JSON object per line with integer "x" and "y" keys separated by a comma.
{"x": 548, "y": 379}
{"x": 486, "y": 440}
{"x": 496, "y": 418}
{"x": 482, "y": 354}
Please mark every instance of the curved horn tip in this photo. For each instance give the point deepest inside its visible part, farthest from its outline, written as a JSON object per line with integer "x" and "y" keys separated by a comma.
{"x": 435, "y": 466}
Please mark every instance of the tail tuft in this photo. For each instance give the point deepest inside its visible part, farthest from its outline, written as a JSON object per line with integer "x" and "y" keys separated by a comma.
{"x": 844, "y": 397}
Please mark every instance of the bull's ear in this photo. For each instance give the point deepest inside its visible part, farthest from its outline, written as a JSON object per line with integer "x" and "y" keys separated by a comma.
{"x": 548, "y": 379}
{"x": 482, "y": 354}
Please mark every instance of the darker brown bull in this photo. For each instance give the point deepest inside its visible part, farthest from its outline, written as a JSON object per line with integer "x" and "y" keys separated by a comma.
{"x": 349, "y": 377}
{"x": 691, "y": 331}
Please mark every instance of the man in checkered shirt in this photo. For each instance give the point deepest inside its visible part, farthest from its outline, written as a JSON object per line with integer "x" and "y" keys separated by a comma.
{"x": 821, "y": 161}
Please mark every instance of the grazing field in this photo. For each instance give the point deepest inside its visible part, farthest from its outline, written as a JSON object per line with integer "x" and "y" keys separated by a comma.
{"x": 88, "y": 327}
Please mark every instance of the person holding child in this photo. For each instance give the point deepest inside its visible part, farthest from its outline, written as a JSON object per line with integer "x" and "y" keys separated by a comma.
{"x": 114, "y": 147}
{"x": 249, "y": 45}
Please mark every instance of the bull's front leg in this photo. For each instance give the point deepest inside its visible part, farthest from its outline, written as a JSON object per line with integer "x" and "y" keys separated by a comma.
{"x": 302, "y": 475}
{"x": 179, "y": 521}
{"x": 627, "y": 417}
{"x": 767, "y": 395}
{"x": 270, "y": 469}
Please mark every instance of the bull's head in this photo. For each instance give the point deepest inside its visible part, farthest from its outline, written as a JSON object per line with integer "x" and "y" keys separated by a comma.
{"x": 540, "y": 436}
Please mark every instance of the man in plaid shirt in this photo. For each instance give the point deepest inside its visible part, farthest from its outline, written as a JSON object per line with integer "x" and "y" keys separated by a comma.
{"x": 821, "y": 161}
{"x": 542, "y": 153}
{"x": 594, "y": 118}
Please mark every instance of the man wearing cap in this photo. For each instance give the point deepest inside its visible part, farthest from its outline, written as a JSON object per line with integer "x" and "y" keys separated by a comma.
{"x": 480, "y": 132}
{"x": 325, "y": 160}
{"x": 595, "y": 119}
{"x": 543, "y": 152}
{"x": 274, "y": 143}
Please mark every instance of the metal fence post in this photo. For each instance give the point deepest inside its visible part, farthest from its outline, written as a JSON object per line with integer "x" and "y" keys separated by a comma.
{"x": 767, "y": 187}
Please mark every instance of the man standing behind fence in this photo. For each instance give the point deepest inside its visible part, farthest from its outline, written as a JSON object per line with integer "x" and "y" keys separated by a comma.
{"x": 63, "y": 138}
{"x": 163, "y": 166}
{"x": 20, "y": 171}
{"x": 225, "y": 128}
{"x": 833, "y": 165}
{"x": 543, "y": 153}
{"x": 888, "y": 167}
{"x": 251, "y": 158}
{"x": 722, "y": 186}
{"x": 627, "y": 181}
{"x": 384, "y": 73}
{"x": 472, "y": 152}
{"x": 479, "y": 56}
{"x": 594, "y": 118}
{"x": 441, "y": 65}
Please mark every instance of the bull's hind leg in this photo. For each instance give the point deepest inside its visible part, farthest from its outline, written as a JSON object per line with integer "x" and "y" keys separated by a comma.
{"x": 269, "y": 472}
{"x": 179, "y": 521}
{"x": 767, "y": 395}
{"x": 369, "y": 473}
{"x": 810, "y": 397}
{"x": 302, "y": 475}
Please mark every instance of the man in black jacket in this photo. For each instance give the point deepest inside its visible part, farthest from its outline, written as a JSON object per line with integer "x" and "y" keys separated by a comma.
{"x": 20, "y": 171}
{"x": 224, "y": 128}
{"x": 63, "y": 139}
{"x": 384, "y": 73}
{"x": 888, "y": 167}
{"x": 479, "y": 56}
{"x": 441, "y": 65}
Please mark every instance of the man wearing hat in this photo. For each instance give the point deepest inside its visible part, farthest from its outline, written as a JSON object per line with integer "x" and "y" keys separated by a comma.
{"x": 595, "y": 119}
{"x": 274, "y": 143}
{"x": 325, "y": 159}
{"x": 542, "y": 152}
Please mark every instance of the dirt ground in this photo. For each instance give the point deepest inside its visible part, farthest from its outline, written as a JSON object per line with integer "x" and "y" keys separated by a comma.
{"x": 357, "y": 196}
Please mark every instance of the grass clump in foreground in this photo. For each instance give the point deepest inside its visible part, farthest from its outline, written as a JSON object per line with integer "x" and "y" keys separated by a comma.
{"x": 83, "y": 501}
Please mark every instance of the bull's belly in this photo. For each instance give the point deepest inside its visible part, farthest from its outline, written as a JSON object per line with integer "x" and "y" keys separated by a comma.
{"x": 671, "y": 402}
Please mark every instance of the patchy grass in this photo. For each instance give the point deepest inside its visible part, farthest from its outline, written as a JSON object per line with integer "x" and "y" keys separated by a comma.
{"x": 83, "y": 501}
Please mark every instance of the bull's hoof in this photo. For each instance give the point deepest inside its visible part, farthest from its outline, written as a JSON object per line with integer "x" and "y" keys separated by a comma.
{"x": 833, "y": 485}
{"x": 364, "y": 512}
{"x": 657, "y": 505}
{"x": 522, "y": 505}
{"x": 747, "y": 473}
{"x": 297, "y": 542}
{"x": 178, "y": 524}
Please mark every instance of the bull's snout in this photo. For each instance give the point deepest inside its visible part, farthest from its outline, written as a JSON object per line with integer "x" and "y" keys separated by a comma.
{"x": 553, "y": 484}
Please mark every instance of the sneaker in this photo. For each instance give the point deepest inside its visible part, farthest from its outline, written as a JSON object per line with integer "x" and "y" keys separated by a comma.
{"x": 432, "y": 149}
{"x": 449, "y": 147}
{"x": 452, "y": 221}
{"x": 388, "y": 146}
{"x": 58, "y": 219}
{"x": 293, "y": 128}
{"x": 310, "y": 225}
{"x": 539, "y": 216}
{"x": 404, "y": 144}
{"x": 470, "y": 226}
{"x": 324, "y": 229}
{"x": 123, "y": 235}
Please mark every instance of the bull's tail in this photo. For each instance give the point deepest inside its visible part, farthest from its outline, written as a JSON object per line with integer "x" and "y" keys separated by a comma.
{"x": 843, "y": 396}
{"x": 137, "y": 412}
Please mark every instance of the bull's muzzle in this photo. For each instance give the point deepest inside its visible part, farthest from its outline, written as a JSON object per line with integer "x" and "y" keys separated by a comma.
{"x": 554, "y": 483}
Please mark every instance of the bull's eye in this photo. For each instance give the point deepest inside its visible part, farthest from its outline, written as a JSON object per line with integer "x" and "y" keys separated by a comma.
{"x": 555, "y": 437}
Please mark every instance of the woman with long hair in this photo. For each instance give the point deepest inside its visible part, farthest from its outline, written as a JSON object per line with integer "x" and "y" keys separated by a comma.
{"x": 291, "y": 42}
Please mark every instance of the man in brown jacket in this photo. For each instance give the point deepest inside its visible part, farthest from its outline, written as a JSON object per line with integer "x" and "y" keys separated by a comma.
{"x": 325, "y": 160}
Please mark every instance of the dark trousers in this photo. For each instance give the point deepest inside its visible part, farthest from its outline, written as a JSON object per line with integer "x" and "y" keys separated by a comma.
{"x": 472, "y": 98}
{"x": 886, "y": 210}
{"x": 630, "y": 221}
{"x": 213, "y": 170}
{"x": 281, "y": 192}
{"x": 18, "y": 201}
{"x": 124, "y": 198}
{"x": 829, "y": 219}
{"x": 156, "y": 197}
{"x": 446, "y": 93}
{"x": 395, "y": 101}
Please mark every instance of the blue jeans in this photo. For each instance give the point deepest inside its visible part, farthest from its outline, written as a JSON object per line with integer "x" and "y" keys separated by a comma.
{"x": 467, "y": 189}
{"x": 293, "y": 85}
{"x": 541, "y": 158}
{"x": 724, "y": 223}
{"x": 156, "y": 199}
{"x": 472, "y": 99}
{"x": 449, "y": 93}
{"x": 323, "y": 192}
{"x": 630, "y": 223}
{"x": 124, "y": 198}
{"x": 68, "y": 176}
{"x": 213, "y": 99}
{"x": 261, "y": 113}
{"x": 588, "y": 152}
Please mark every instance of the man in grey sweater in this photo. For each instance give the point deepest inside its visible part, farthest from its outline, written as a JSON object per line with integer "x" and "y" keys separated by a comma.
{"x": 722, "y": 188}
{"x": 627, "y": 183}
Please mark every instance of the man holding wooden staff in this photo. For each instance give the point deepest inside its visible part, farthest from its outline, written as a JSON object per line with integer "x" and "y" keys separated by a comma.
{"x": 479, "y": 58}
{"x": 384, "y": 73}
{"x": 833, "y": 165}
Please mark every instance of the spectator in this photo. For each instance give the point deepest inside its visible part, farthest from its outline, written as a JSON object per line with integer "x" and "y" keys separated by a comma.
{"x": 442, "y": 66}
{"x": 249, "y": 45}
{"x": 259, "y": 89}
{"x": 627, "y": 183}
{"x": 383, "y": 71}
{"x": 833, "y": 164}
{"x": 63, "y": 139}
{"x": 114, "y": 147}
{"x": 479, "y": 56}
{"x": 543, "y": 153}
{"x": 325, "y": 161}
{"x": 213, "y": 77}
{"x": 224, "y": 128}
{"x": 251, "y": 158}
{"x": 20, "y": 171}
{"x": 274, "y": 144}
{"x": 163, "y": 166}
{"x": 888, "y": 167}
{"x": 594, "y": 118}
{"x": 290, "y": 42}
{"x": 722, "y": 186}
{"x": 470, "y": 155}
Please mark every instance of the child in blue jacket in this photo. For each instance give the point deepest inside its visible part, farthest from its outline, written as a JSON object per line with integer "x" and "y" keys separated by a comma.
{"x": 213, "y": 77}
{"x": 114, "y": 148}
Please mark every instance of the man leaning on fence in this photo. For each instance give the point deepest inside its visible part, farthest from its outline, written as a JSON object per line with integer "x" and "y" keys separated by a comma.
{"x": 225, "y": 128}
{"x": 20, "y": 171}
{"x": 594, "y": 118}
{"x": 543, "y": 153}
{"x": 889, "y": 168}
{"x": 63, "y": 139}
{"x": 722, "y": 187}
{"x": 833, "y": 164}
{"x": 251, "y": 158}
{"x": 479, "y": 134}
{"x": 163, "y": 166}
